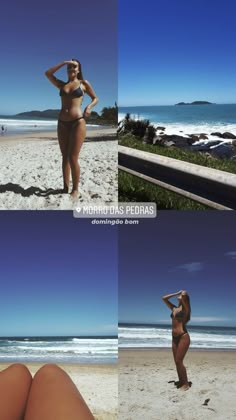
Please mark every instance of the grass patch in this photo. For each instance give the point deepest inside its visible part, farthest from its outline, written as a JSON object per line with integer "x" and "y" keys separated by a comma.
{"x": 186, "y": 155}
{"x": 133, "y": 189}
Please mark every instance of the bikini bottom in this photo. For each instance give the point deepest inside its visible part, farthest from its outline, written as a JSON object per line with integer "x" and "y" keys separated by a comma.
{"x": 176, "y": 338}
{"x": 70, "y": 124}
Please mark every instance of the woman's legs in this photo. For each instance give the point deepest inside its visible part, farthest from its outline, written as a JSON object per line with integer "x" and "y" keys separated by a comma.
{"x": 174, "y": 350}
{"x": 77, "y": 137}
{"x": 182, "y": 348}
{"x": 63, "y": 134}
{"x": 15, "y": 382}
{"x": 53, "y": 395}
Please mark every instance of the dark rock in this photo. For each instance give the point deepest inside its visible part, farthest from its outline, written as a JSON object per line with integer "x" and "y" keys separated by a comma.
{"x": 203, "y": 137}
{"x": 179, "y": 141}
{"x": 214, "y": 142}
{"x": 223, "y": 150}
{"x": 157, "y": 140}
{"x": 201, "y": 147}
{"x": 227, "y": 135}
{"x": 205, "y": 146}
{"x": 160, "y": 128}
{"x": 193, "y": 137}
{"x": 217, "y": 134}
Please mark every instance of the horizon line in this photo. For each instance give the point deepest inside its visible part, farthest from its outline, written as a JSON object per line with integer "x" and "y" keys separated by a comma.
{"x": 137, "y": 106}
{"x": 64, "y": 336}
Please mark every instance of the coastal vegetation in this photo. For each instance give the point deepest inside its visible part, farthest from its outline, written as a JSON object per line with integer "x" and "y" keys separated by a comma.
{"x": 131, "y": 188}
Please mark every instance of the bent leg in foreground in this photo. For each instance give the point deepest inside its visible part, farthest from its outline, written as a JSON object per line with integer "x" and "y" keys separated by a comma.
{"x": 15, "y": 382}
{"x": 53, "y": 395}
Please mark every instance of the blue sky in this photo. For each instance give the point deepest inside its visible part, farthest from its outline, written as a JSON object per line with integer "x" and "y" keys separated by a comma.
{"x": 38, "y": 35}
{"x": 172, "y": 51}
{"x": 194, "y": 251}
{"x": 58, "y": 275}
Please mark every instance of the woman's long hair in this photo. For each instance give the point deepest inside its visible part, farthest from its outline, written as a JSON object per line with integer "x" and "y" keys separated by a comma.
{"x": 80, "y": 74}
{"x": 187, "y": 298}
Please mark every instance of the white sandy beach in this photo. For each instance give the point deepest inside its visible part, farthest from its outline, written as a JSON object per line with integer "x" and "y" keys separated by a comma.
{"x": 144, "y": 391}
{"x": 98, "y": 384}
{"x": 31, "y": 171}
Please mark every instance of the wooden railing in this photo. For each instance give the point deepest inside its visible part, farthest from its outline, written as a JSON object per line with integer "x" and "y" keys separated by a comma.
{"x": 211, "y": 187}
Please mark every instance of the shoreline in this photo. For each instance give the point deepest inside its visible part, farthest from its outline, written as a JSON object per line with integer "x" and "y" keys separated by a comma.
{"x": 97, "y": 384}
{"x": 194, "y": 349}
{"x": 97, "y": 131}
{"x": 147, "y": 390}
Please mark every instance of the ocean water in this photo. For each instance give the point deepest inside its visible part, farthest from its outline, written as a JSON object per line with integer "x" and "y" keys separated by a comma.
{"x": 160, "y": 336}
{"x": 87, "y": 350}
{"x": 24, "y": 126}
{"x": 187, "y": 119}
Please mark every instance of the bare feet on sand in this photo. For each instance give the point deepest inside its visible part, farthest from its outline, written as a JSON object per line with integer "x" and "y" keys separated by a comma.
{"x": 184, "y": 387}
{"x": 75, "y": 194}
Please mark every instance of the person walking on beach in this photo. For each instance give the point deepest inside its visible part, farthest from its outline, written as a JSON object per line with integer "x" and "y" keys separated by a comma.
{"x": 180, "y": 337}
{"x": 71, "y": 123}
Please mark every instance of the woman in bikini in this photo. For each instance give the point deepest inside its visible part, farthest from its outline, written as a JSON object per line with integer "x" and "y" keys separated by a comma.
{"x": 71, "y": 123}
{"x": 180, "y": 338}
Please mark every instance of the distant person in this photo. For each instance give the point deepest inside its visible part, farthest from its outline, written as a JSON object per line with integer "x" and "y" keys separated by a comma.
{"x": 180, "y": 338}
{"x": 51, "y": 394}
{"x": 3, "y": 129}
{"x": 71, "y": 122}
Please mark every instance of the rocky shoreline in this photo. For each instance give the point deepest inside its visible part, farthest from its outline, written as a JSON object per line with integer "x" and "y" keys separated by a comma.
{"x": 218, "y": 145}
{"x": 217, "y": 148}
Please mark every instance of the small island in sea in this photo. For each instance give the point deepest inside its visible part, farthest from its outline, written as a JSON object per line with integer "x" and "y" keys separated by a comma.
{"x": 195, "y": 103}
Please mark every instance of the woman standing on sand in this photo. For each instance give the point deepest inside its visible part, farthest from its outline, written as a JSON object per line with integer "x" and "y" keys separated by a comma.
{"x": 180, "y": 338}
{"x": 71, "y": 123}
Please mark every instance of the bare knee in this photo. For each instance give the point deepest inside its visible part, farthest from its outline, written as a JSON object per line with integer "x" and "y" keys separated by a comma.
{"x": 48, "y": 370}
{"x": 18, "y": 370}
{"x": 179, "y": 362}
{"x": 65, "y": 158}
{"x": 73, "y": 158}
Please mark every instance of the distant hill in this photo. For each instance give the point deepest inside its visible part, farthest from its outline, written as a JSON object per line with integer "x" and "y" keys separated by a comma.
{"x": 48, "y": 113}
{"x": 195, "y": 103}
{"x": 108, "y": 115}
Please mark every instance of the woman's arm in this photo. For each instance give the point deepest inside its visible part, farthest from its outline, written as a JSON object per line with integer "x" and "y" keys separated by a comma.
{"x": 50, "y": 73}
{"x": 167, "y": 297}
{"x": 89, "y": 90}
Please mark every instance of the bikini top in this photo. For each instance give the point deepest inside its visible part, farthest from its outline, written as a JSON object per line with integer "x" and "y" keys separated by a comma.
{"x": 178, "y": 315}
{"x": 76, "y": 93}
